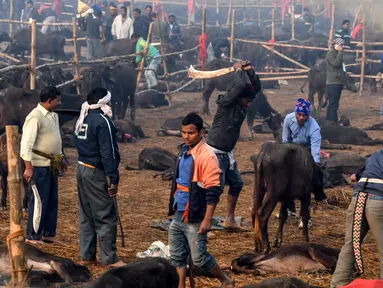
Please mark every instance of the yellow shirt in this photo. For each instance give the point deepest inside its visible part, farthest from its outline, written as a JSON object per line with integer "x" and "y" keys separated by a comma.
{"x": 41, "y": 131}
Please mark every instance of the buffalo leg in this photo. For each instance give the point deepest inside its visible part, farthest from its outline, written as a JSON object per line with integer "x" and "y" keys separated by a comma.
{"x": 305, "y": 207}
{"x": 282, "y": 221}
{"x": 266, "y": 210}
{"x": 209, "y": 88}
{"x": 327, "y": 260}
{"x": 132, "y": 103}
{"x": 311, "y": 97}
{"x": 320, "y": 99}
{"x": 60, "y": 269}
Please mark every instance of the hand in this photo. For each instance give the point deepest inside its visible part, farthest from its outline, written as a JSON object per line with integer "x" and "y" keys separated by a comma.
{"x": 28, "y": 174}
{"x": 64, "y": 165}
{"x": 353, "y": 178}
{"x": 246, "y": 65}
{"x": 205, "y": 227}
{"x": 113, "y": 189}
{"x": 237, "y": 65}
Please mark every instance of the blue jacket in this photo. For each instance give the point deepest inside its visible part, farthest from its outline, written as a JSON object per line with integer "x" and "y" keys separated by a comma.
{"x": 373, "y": 170}
{"x": 97, "y": 146}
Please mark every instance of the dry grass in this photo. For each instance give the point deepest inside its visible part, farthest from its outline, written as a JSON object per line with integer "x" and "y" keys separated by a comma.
{"x": 143, "y": 199}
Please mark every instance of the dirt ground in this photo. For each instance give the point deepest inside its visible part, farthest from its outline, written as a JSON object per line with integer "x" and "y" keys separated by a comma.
{"x": 143, "y": 199}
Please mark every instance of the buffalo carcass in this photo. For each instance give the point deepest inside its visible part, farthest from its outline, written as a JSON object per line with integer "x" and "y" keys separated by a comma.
{"x": 285, "y": 282}
{"x": 119, "y": 47}
{"x": 119, "y": 79}
{"x": 220, "y": 83}
{"x": 289, "y": 259}
{"x": 145, "y": 273}
{"x": 344, "y": 162}
{"x": 317, "y": 84}
{"x": 47, "y": 268}
{"x": 45, "y": 44}
{"x": 157, "y": 159}
{"x": 274, "y": 175}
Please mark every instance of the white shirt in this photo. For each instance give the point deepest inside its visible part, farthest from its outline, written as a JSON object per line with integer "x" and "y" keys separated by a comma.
{"x": 122, "y": 30}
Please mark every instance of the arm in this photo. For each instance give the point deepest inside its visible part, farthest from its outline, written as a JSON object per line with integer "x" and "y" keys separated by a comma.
{"x": 108, "y": 153}
{"x": 101, "y": 32}
{"x": 254, "y": 79}
{"x": 335, "y": 61}
{"x": 236, "y": 90}
{"x": 316, "y": 140}
{"x": 286, "y": 135}
{"x": 28, "y": 139}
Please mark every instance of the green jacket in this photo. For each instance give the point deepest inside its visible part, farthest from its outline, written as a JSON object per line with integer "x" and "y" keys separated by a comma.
{"x": 140, "y": 46}
{"x": 335, "y": 72}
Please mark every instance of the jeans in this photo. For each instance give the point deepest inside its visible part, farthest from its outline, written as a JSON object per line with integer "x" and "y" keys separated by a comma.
{"x": 184, "y": 239}
{"x": 98, "y": 216}
{"x": 334, "y": 92}
{"x": 48, "y": 20}
{"x": 47, "y": 187}
{"x": 373, "y": 220}
{"x": 94, "y": 48}
{"x": 150, "y": 74}
{"x": 230, "y": 177}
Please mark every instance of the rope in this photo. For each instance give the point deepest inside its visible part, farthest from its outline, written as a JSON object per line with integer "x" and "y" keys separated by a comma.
{"x": 10, "y": 237}
{"x": 170, "y": 92}
{"x": 67, "y": 83}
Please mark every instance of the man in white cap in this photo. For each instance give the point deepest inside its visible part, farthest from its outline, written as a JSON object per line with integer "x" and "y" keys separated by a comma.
{"x": 97, "y": 178}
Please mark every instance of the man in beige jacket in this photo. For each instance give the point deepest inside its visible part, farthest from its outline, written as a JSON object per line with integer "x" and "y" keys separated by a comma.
{"x": 41, "y": 150}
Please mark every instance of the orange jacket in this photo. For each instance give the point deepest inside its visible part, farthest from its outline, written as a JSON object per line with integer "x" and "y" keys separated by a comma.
{"x": 204, "y": 185}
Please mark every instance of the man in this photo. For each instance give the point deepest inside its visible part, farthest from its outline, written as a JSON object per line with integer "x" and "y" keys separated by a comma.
{"x": 153, "y": 59}
{"x": 41, "y": 150}
{"x": 218, "y": 49}
{"x": 344, "y": 33}
{"x": 225, "y": 131}
{"x": 95, "y": 34}
{"x": 336, "y": 75}
{"x": 122, "y": 27}
{"x": 300, "y": 128}
{"x": 196, "y": 184}
{"x": 109, "y": 22}
{"x": 140, "y": 24}
{"x": 148, "y": 16}
{"x": 33, "y": 12}
{"x": 47, "y": 16}
{"x": 58, "y": 7}
{"x": 364, "y": 213}
{"x": 163, "y": 26}
{"x": 308, "y": 20}
{"x": 97, "y": 178}
{"x": 174, "y": 30}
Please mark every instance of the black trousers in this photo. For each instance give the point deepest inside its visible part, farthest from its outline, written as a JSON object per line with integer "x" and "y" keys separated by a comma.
{"x": 334, "y": 93}
{"x": 98, "y": 216}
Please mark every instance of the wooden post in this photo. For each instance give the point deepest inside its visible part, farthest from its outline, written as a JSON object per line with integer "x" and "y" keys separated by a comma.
{"x": 363, "y": 64}
{"x": 273, "y": 24}
{"x": 15, "y": 239}
{"x": 132, "y": 9}
{"x": 232, "y": 36}
{"x": 356, "y": 17}
{"x": 292, "y": 22}
{"x": 285, "y": 57}
{"x": 217, "y": 12}
{"x": 144, "y": 56}
{"x": 10, "y": 18}
{"x": 229, "y": 12}
{"x": 259, "y": 12}
{"x": 164, "y": 62}
{"x": 331, "y": 36}
{"x": 32, "y": 73}
{"x": 75, "y": 59}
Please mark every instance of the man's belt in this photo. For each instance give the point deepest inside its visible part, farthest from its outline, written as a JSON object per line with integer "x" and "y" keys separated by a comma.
{"x": 56, "y": 160}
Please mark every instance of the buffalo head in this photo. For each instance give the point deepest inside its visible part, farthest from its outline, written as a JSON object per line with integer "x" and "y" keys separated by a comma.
{"x": 318, "y": 186}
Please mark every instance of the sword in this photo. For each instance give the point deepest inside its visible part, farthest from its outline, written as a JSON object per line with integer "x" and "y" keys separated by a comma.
{"x": 196, "y": 74}
{"x": 37, "y": 207}
{"x": 118, "y": 215}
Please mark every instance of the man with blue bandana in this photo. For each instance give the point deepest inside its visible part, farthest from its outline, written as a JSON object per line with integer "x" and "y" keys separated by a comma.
{"x": 300, "y": 128}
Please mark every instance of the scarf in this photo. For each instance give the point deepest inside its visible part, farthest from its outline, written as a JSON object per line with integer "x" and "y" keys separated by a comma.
{"x": 101, "y": 104}
{"x": 303, "y": 106}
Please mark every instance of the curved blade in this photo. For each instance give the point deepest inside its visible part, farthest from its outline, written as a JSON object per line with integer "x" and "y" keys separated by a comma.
{"x": 37, "y": 208}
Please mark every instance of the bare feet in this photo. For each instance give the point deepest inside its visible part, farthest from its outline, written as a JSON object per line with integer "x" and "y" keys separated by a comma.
{"x": 118, "y": 264}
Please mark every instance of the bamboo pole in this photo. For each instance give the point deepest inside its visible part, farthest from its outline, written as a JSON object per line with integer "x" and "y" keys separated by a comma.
{"x": 75, "y": 59}
{"x": 331, "y": 35}
{"x": 280, "y": 44}
{"x": 356, "y": 16}
{"x": 363, "y": 66}
{"x": 232, "y": 36}
{"x": 32, "y": 72}
{"x": 273, "y": 25}
{"x": 292, "y": 22}
{"x": 3, "y": 55}
{"x": 285, "y": 57}
{"x": 259, "y": 12}
{"x": 15, "y": 239}
{"x": 229, "y": 12}
{"x": 284, "y": 78}
{"x": 217, "y": 12}
{"x": 145, "y": 54}
{"x": 11, "y": 17}
{"x": 164, "y": 62}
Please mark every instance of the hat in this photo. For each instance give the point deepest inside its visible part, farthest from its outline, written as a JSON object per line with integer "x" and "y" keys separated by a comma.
{"x": 303, "y": 106}
{"x": 338, "y": 41}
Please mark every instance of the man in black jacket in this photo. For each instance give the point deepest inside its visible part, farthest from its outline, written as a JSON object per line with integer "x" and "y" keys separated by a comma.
{"x": 140, "y": 24}
{"x": 224, "y": 133}
{"x": 97, "y": 178}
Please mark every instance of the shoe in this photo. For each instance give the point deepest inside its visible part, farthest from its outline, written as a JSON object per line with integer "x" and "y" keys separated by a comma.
{"x": 50, "y": 240}
{"x": 118, "y": 264}
{"x": 291, "y": 213}
{"x": 234, "y": 227}
{"x": 35, "y": 242}
{"x": 309, "y": 225}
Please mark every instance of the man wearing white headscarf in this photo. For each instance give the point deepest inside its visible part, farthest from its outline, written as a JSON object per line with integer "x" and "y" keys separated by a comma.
{"x": 97, "y": 178}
